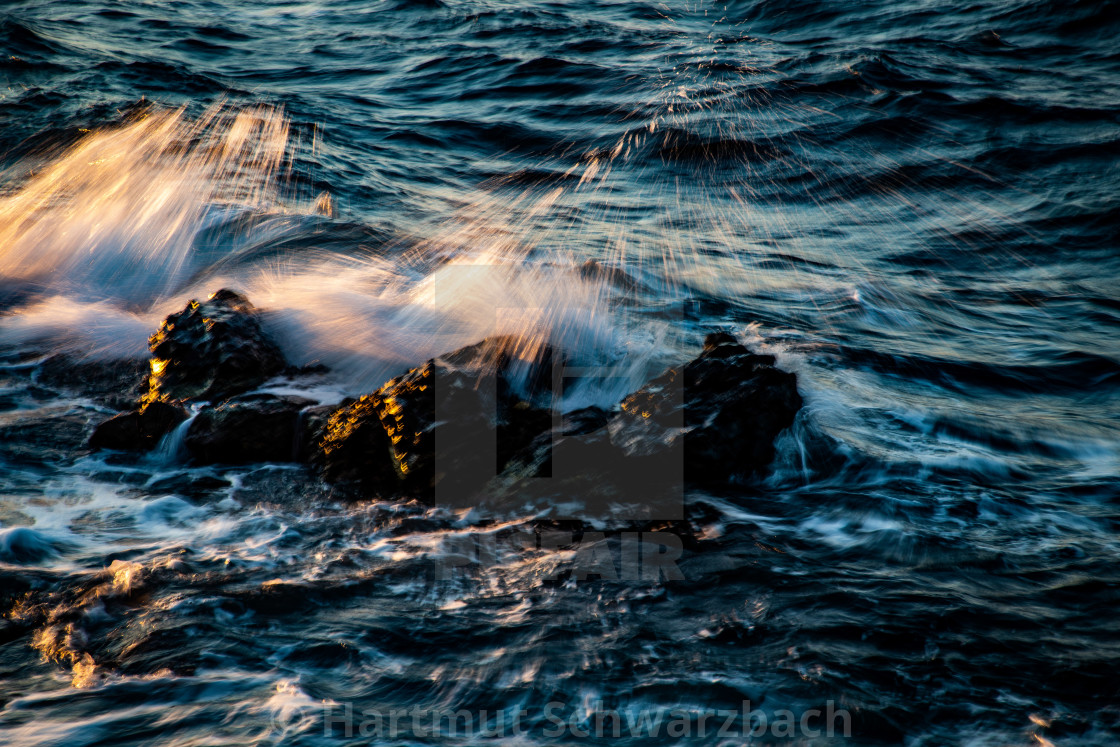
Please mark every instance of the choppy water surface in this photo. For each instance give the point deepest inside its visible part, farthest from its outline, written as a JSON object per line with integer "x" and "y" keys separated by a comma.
{"x": 912, "y": 205}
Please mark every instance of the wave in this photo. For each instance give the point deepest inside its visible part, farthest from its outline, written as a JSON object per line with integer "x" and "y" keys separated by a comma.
{"x": 128, "y": 223}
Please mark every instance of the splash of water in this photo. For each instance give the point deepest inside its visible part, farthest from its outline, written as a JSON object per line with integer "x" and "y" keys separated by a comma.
{"x": 117, "y": 216}
{"x": 124, "y": 226}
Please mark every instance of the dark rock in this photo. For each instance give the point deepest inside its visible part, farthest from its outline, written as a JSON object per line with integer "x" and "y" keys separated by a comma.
{"x": 520, "y": 423}
{"x": 122, "y": 477}
{"x": 211, "y": 350}
{"x": 709, "y": 423}
{"x": 719, "y": 339}
{"x": 118, "y": 384}
{"x": 482, "y": 395}
{"x": 589, "y": 476}
{"x": 311, "y": 369}
{"x": 354, "y": 446}
{"x": 522, "y": 369}
{"x": 580, "y": 434}
{"x": 583, "y": 421}
{"x": 256, "y": 428}
{"x": 387, "y": 439}
{"x": 725, "y": 408}
{"x": 311, "y": 428}
{"x": 138, "y": 430}
{"x": 723, "y": 345}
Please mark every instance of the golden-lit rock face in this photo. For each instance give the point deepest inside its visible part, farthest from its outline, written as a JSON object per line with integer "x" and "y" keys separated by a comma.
{"x": 656, "y": 399}
{"x": 386, "y": 440}
{"x": 407, "y": 413}
{"x": 211, "y": 350}
{"x": 158, "y": 366}
{"x": 355, "y": 447}
{"x": 385, "y": 437}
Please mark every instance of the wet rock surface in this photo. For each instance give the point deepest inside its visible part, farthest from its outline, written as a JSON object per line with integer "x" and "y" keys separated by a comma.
{"x": 474, "y": 423}
{"x": 293, "y": 487}
{"x": 211, "y": 351}
{"x": 252, "y": 428}
{"x": 581, "y": 474}
{"x": 355, "y": 447}
{"x": 387, "y": 440}
{"x": 138, "y": 430}
{"x": 312, "y": 426}
{"x": 724, "y": 409}
{"x": 711, "y": 422}
{"x": 199, "y": 488}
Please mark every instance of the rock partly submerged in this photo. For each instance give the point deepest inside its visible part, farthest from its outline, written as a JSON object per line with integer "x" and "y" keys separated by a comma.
{"x": 210, "y": 351}
{"x": 140, "y": 429}
{"x": 478, "y": 402}
{"x": 475, "y": 422}
{"x": 710, "y": 422}
{"x": 724, "y": 409}
{"x": 247, "y": 429}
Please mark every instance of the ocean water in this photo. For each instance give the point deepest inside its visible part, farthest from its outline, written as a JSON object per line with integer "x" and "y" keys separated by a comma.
{"x": 912, "y": 205}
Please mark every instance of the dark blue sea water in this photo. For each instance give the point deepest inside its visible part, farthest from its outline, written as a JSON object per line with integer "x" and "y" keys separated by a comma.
{"x": 913, "y": 205}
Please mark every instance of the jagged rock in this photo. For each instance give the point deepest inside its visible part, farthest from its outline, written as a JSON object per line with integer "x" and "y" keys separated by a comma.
{"x": 518, "y": 425}
{"x": 211, "y": 351}
{"x": 523, "y": 370}
{"x": 253, "y": 428}
{"x": 588, "y": 475}
{"x": 138, "y": 430}
{"x": 387, "y": 439}
{"x": 709, "y": 423}
{"x": 582, "y": 430}
{"x": 460, "y": 419}
{"x": 354, "y": 446}
{"x": 596, "y": 271}
{"x": 482, "y": 395}
{"x": 312, "y": 426}
{"x": 725, "y": 408}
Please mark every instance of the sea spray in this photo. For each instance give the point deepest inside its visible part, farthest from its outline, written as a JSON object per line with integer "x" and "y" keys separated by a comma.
{"x": 133, "y": 220}
{"x": 116, "y": 215}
